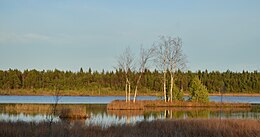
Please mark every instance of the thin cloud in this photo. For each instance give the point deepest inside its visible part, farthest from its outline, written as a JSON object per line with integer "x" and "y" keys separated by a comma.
{"x": 22, "y": 38}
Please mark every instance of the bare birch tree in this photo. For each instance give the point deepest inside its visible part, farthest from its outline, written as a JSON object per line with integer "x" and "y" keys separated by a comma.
{"x": 145, "y": 55}
{"x": 169, "y": 58}
{"x": 161, "y": 60}
{"x": 177, "y": 60}
{"x": 125, "y": 62}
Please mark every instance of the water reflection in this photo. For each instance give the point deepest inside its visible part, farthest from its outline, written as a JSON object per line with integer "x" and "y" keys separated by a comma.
{"x": 99, "y": 115}
{"x": 26, "y": 117}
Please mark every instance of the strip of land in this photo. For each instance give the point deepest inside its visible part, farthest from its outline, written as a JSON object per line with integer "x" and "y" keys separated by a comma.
{"x": 144, "y": 104}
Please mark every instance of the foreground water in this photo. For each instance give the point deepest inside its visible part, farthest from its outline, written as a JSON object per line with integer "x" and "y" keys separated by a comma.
{"x": 38, "y": 108}
{"x": 99, "y": 115}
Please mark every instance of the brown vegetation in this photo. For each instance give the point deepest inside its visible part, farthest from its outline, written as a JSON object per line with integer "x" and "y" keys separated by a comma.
{"x": 122, "y": 105}
{"x": 25, "y": 108}
{"x": 76, "y": 113}
{"x": 177, "y": 128}
{"x": 43, "y": 109}
{"x": 236, "y": 94}
{"x": 176, "y": 112}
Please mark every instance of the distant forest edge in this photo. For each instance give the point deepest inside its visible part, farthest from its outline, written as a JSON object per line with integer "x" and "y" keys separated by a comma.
{"x": 113, "y": 83}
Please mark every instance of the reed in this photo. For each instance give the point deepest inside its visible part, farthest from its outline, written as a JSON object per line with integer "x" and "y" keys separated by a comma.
{"x": 176, "y": 128}
{"x": 76, "y": 113}
{"x": 41, "y": 108}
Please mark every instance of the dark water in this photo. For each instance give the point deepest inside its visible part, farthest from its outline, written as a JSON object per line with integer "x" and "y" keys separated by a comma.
{"x": 105, "y": 99}
{"x": 37, "y": 109}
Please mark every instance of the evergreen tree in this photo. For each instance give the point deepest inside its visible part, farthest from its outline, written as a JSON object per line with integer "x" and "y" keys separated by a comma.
{"x": 151, "y": 81}
{"x": 198, "y": 92}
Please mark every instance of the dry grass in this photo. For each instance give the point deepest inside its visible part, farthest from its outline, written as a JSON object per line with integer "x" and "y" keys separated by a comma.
{"x": 143, "y": 104}
{"x": 40, "y": 108}
{"x": 75, "y": 113}
{"x": 177, "y": 128}
{"x": 26, "y": 108}
{"x": 176, "y": 112}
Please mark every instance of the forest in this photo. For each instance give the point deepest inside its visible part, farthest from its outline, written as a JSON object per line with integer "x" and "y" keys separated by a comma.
{"x": 107, "y": 82}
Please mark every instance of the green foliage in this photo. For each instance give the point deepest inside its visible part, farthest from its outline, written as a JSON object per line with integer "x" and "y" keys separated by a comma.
{"x": 178, "y": 94}
{"x": 198, "y": 92}
{"x": 113, "y": 81}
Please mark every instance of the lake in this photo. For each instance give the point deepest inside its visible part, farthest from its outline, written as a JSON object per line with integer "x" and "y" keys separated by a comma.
{"x": 37, "y": 109}
{"x": 106, "y": 99}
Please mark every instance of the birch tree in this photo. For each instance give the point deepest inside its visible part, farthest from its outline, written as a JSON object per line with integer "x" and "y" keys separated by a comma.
{"x": 125, "y": 63}
{"x": 161, "y": 52}
{"x": 177, "y": 60}
{"x": 169, "y": 58}
{"x": 145, "y": 55}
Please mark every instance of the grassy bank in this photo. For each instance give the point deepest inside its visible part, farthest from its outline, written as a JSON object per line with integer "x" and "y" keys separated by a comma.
{"x": 144, "y": 104}
{"x": 177, "y": 128}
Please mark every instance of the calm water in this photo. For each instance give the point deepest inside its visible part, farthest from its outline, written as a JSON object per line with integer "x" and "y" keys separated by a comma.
{"x": 65, "y": 99}
{"x": 105, "y": 99}
{"x": 99, "y": 115}
{"x": 37, "y": 109}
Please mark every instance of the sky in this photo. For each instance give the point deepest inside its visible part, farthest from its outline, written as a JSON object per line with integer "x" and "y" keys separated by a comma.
{"x": 70, "y": 34}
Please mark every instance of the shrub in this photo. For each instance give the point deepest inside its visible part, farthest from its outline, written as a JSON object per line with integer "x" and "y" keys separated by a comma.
{"x": 198, "y": 92}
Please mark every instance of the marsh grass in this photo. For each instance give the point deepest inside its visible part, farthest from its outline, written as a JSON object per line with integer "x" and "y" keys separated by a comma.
{"x": 176, "y": 128}
{"x": 40, "y": 108}
{"x": 76, "y": 113}
{"x": 143, "y": 104}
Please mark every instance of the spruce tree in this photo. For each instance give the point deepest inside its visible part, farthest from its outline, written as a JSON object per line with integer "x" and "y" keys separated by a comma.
{"x": 198, "y": 92}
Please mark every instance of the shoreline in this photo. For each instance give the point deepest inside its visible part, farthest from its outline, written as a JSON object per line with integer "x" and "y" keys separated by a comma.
{"x": 107, "y": 95}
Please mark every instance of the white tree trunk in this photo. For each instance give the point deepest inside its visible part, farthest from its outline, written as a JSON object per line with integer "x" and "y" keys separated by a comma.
{"x": 164, "y": 85}
{"x": 126, "y": 91}
{"x": 129, "y": 92}
{"x": 136, "y": 87}
{"x": 171, "y": 86}
{"x": 135, "y": 94}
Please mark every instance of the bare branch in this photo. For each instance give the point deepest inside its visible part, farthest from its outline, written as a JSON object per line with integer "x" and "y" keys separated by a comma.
{"x": 169, "y": 57}
{"x": 145, "y": 55}
{"x": 126, "y": 63}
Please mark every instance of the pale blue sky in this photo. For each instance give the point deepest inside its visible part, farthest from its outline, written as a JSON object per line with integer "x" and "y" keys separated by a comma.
{"x": 69, "y": 34}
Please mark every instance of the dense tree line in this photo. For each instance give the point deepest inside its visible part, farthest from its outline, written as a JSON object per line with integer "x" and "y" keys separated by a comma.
{"x": 85, "y": 81}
